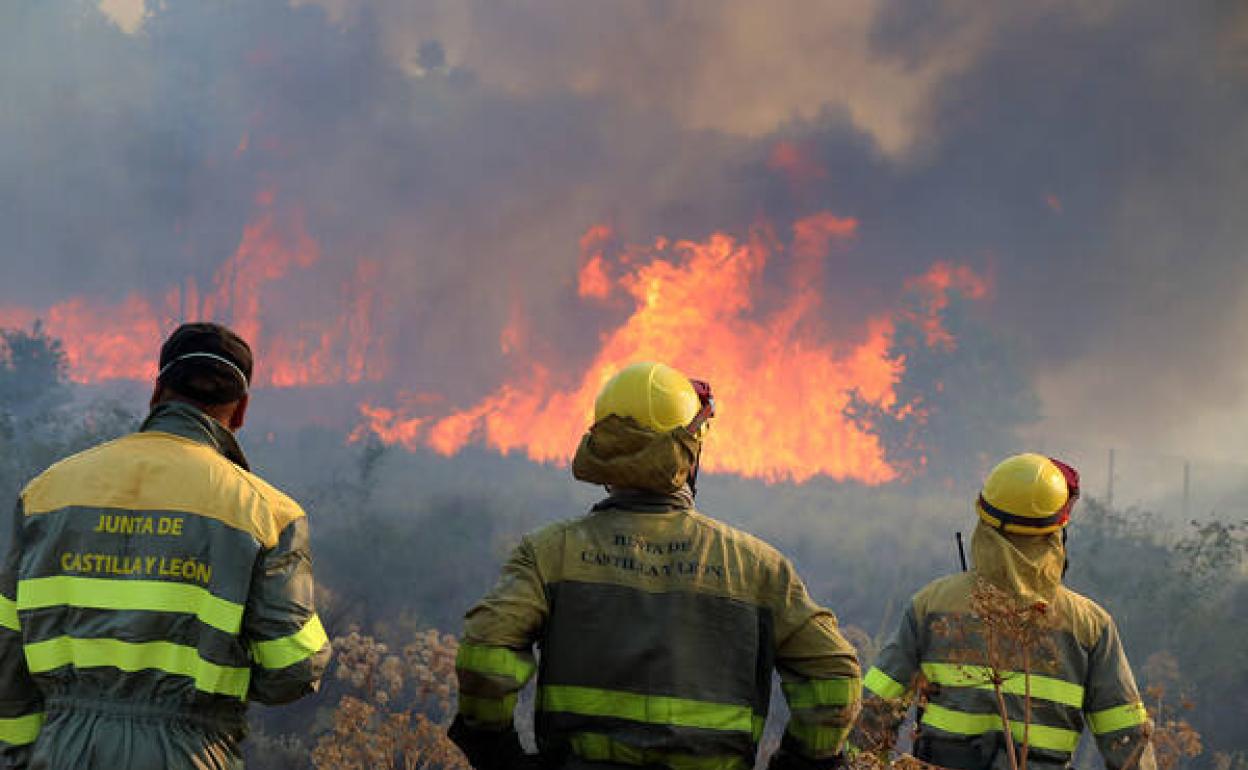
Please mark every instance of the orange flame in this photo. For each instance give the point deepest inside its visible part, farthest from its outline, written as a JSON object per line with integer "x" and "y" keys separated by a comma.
{"x": 105, "y": 341}
{"x": 782, "y": 387}
{"x": 593, "y": 280}
{"x": 796, "y": 163}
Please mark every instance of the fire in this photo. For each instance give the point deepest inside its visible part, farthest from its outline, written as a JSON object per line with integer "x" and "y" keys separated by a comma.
{"x": 593, "y": 280}
{"x": 782, "y": 384}
{"x": 797, "y": 163}
{"x": 747, "y": 312}
{"x": 114, "y": 341}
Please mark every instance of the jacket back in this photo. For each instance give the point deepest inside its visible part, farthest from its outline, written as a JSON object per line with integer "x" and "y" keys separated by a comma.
{"x": 1067, "y": 672}
{"x": 152, "y": 570}
{"x": 659, "y": 633}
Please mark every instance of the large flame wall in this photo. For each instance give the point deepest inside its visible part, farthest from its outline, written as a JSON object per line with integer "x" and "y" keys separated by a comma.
{"x": 745, "y": 312}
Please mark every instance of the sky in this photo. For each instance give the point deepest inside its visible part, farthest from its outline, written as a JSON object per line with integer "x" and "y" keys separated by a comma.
{"x": 1089, "y": 158}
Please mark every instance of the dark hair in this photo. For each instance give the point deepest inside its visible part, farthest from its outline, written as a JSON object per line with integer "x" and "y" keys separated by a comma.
{"x": 206, "y": 363}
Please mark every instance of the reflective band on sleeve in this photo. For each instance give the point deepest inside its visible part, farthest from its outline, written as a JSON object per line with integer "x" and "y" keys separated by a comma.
{"x": 1118, "y": 718}
{"x": 21, "y": 731}
{"x": 650, "y": 709}
{"x": 142, "y": 595}
{"x": 494, "y": 711}
{"x": 8, "y": 614}
{"x": 883, "y": 685}
{"x": 822, "y": 692}
{"x": 494, "y": 661}
{"x": 818, "y": 739}
{"x": 283, "y": 653}
{"x": 961, "y": 723}
{"x": 1013, "y": 682}
{"x": 130, "y": 656}
{"x": 594, "y": 747}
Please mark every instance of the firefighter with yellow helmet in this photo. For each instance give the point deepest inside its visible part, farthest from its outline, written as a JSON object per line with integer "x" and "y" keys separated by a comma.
{"x": 659, "y": 627}
{"x": 1080, "y": 679}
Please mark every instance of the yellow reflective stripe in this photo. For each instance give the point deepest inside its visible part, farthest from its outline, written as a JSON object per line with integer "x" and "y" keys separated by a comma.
{"x": 1118, "y": 718}
{"x": 296, "y": 648}
{"x": 494, "y": 661}
{"x": 21, "y": 731}
{"x": 883, "y": 685}
{"x": 131, "y": 656}
{"x": 594, "y": 747}
{"x": 962, "y": 723}
{"x": 823, "y": 692}
{"x": 1013, "y": 682}
{"x": 142, "y": 595}
{"x": 491, "y": 710}
{"x": 8, "y": 614}
{"x": 817, "y": 738}
{"x": 653, "y": 709}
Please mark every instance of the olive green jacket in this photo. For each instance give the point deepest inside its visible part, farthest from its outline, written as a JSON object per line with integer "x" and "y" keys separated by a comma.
{"x": 151, "y": 580}
{"x": 1079, "y": 675}
{"x": 659, "y": 630}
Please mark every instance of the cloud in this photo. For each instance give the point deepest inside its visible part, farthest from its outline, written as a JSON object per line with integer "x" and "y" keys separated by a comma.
{"x": 128, "y": 15}
{"x": 736, "y": 66}
{"x": 465, "y": 147}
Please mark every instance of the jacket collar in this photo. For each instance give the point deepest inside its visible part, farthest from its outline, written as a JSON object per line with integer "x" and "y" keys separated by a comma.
{"x": 180, "y": 419}
{"x": 1030, "y": 566}
{"x": 646, "y": 501}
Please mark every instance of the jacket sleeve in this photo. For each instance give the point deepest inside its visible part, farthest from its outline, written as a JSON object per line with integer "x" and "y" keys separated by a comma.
{"x": 289, "y": 648}
{"x": 819, "y": 675}
{"x": 891, "y": 677}
{"x": 496, "y": 660}
{"x": 1115, "y": 713}
{"x": 21, "y": 705}
{"x": 898, "y": 662}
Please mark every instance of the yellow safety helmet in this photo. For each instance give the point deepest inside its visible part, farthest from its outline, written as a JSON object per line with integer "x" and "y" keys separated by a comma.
{"x": 657, "y": 396}
{"x": 1029, "y": 494}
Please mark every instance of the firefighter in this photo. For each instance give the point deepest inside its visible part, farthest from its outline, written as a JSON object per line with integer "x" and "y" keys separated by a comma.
{"x": 152, "y": 586}
{"x": 659, "y": 628}
{"x": 1079, "y": 675}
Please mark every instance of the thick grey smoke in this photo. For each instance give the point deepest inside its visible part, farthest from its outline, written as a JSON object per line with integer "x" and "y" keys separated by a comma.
{"x": 1090, "y": 157}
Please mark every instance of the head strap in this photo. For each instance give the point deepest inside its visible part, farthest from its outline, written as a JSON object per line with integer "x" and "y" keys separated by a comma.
{"x": 214, "y": 357}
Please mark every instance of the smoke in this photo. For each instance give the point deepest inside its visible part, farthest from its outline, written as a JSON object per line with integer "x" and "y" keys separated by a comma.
{"x": 1089, "y": 157}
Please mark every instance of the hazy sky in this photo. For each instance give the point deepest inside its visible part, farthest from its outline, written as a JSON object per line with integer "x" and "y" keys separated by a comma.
{"x": 1091, "y": 158}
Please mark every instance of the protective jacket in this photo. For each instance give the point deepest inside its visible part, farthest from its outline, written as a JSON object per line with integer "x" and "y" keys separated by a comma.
{"x": 149, "y": 588}
{"x": 1078, "y": 677}
{"x": 659, "y": 630}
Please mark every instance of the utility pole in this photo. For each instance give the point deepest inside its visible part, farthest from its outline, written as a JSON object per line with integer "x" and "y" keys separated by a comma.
{"x": 1109, "y": 490}
{"x": 1187, "y": 488}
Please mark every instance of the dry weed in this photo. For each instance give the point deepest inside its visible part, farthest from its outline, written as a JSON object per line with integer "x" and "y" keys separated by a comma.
{"x": 396, "y": 720}
{"x": 1004, "y": 637}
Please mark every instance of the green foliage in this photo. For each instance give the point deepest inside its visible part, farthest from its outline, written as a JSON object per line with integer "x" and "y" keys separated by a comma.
{"x": 1183, "y": 593}
{"x": 32, "y": 372}
{"x": 40, "y": 422}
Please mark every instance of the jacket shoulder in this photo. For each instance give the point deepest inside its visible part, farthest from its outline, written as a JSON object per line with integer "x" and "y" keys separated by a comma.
{"x": 158, "y": 471}
{"x": 281, "y": 507}
{"x": 549, "y": 533}
{"x": 1087, "y": 619}
{"x": 66, "y": 468}
{"x": 944, "y": 595}
{"x": 766, "y": 555}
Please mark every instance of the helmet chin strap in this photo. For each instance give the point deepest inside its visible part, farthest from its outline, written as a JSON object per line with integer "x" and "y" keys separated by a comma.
{"x": 706, "y": 412}
{"x": 693, "y": 472}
